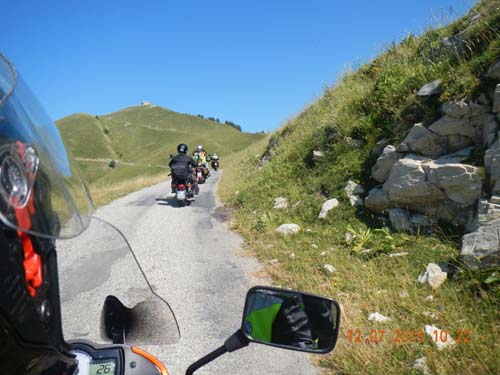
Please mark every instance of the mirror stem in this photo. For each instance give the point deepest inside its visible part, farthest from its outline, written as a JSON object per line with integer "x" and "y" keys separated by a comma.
{"x": 235, "y": 342}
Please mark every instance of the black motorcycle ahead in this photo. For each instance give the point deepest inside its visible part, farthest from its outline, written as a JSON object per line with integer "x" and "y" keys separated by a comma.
{"x": 215, "y": 165}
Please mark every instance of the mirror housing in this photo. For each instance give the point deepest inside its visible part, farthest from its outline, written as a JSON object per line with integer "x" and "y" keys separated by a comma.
{"x": 291, "y": 320}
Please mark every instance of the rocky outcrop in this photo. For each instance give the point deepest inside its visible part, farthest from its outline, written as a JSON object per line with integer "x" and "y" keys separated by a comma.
{"x": 386, "y": 160}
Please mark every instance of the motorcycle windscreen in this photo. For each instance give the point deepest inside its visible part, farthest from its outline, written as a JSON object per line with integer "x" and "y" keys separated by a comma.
{"x": 38, "y": 179}
{"x": 100, "y": 263}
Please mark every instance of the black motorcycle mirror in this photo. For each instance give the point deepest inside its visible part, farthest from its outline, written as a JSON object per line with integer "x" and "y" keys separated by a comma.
{"x": 283, "y": 318}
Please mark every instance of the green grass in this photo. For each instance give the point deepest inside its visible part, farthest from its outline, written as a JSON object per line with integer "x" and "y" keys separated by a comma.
{"x": 140, "y": 139}
{"x": 378, "y": 100}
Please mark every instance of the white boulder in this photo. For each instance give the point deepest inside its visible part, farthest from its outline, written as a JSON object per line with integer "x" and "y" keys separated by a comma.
{"x": 327, "y": 206}
{"x": 433, "y": 276}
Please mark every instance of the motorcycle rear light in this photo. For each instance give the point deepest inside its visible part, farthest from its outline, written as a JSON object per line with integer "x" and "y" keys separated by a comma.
{"x": 180, "y": 187}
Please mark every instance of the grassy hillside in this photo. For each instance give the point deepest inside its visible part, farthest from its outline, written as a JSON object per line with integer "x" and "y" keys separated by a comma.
{"x": 378, "y": 100}
{"x": 139, "y": 140}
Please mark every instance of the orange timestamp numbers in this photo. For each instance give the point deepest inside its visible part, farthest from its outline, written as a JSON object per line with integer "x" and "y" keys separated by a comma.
{"x": 405, "y": 336}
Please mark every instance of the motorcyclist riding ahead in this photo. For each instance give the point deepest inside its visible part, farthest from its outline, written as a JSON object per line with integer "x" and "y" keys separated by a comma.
{"x": 200, "y": 157}
{"x": 181, "y": 167}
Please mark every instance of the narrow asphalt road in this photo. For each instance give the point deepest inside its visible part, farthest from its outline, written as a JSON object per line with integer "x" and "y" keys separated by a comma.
{"x": 196, "y": 263}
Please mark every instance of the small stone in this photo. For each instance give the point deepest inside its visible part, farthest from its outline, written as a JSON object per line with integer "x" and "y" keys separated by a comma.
{"x": 280, "y": 203}
{"x": 323, "y": 253}
{"x": 314, "y": 246}
{"x": 327, "y": 206}
{"x": 433, "y": 276}
{"x": 431, "y": 88}
{"x": 273, "y": 261}
{"x": 403, "y": 294}
{"x": 287, "y": 229}
{"x": 348, "y": 236}
{"x": 356, "y": 201}
{"x": 420, "y": 364}
{"x": 402, "y": 254}
{"x": 430, "y": 314}
{"x": 292, "y": 255}
{"x": 329, "y": 268}
{"x": 308, "y": 230}
{"x": 429, "y": 298}
{"x": 437, "y": 335}
{"x": 378, "y": 318}
{"x": 318, "y": 155}
{"x": 353, "y": 188}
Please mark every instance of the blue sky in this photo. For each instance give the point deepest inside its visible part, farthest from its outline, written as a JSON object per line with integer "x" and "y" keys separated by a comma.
{"x": 254, "y": 62}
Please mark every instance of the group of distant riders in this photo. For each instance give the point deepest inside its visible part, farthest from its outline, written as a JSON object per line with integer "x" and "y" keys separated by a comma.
{"x": 191, "y": 170}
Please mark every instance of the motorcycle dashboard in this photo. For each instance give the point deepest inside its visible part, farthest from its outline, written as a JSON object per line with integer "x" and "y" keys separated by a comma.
{"x": 94, "y": 361}
{"x": 111, "y": 359}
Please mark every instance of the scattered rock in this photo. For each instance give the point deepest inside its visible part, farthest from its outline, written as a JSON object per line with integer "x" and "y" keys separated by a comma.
{"x": 494, "y": 71}
{"x": 280, "y": 203}
{"x": 287, "y": 229}
{"x": 382, "y": 168}
{"x": 431, "y": 88}
{"x": 492, "y": 163}
{"x": 348, "y": 236}
{"x": 402, "y": 254}
{"x": 481, "y": 249}
{"x": 430, "y": 314}
{"x": 423, "y": 142}
{"x": 356, "y": 201}
{"x": 456, "y": 109}
{"x": 433, "y": 276}
{"x": 420, "y": 364}
{"x": 438, "y": 190}
{"x": 327, "y": 206}
{"x": 318, "y": 155}
{"x": 421, "y": 224}
{"x": 496, "y": 100}
{"x": 329, "y": 268}
{"x": 490, "y": 128}
{"x": 379, "y": 147}
{"x": 378, "y": 318}
{"x": 323, "y": 253}
{"x": 355, "y": 143}
{"x": 377, "y": 200}
{"x": 429, "y": 298}
{"x": 353, "y": 188}
{"x": 314, "y": 246}
{"x": 400, "y": 219}
{"x": 292, "y": 255}
{"x": 444, "y": 339}
{"x": 483, "y": 99}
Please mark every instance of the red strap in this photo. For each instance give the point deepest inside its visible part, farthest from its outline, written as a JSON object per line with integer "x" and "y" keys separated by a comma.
{"x": 32, "y": 261}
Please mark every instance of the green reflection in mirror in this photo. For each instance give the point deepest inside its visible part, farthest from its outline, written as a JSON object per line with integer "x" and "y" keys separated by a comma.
{"x": 291, "y": 319}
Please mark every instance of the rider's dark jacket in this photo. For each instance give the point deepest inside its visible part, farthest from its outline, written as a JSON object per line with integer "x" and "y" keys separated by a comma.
{"x": 181, "y": 166}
